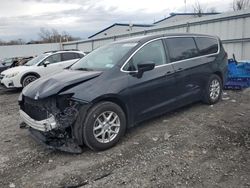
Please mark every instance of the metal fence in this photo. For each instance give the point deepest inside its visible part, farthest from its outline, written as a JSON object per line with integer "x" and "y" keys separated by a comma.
{"x": 27, "y": 50}
{"x": 233, "y": 28}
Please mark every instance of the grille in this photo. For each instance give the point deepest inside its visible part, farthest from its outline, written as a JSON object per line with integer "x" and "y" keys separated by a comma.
{"x": 35, "y": 109}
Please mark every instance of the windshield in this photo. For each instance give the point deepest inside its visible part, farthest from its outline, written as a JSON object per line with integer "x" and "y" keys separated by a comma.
{"x": 7, "y": 62}
{"x": 36, "y": 60}
{"x": 104, "y": 57}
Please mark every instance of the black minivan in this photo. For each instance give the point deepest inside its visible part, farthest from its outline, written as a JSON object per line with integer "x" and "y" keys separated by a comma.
{"x": 121, "y": 84}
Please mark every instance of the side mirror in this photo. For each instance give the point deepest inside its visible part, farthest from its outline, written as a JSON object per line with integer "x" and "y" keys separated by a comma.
{"x": 46, "y": 63}
{"x": 143, "y": 67}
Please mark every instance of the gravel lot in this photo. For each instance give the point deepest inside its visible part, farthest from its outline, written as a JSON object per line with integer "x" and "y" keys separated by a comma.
{"x": 196, "y": 146}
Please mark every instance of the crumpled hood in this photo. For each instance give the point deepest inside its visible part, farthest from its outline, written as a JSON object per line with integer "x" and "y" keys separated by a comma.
{"x": 16, "y": 69}
{"x": 50, "y": 85}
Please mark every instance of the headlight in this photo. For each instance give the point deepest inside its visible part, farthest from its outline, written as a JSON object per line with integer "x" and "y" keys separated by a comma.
{"x": 11, "y": 75}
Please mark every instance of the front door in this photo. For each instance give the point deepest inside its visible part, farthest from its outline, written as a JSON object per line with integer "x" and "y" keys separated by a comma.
{"x": 152, "y": 93}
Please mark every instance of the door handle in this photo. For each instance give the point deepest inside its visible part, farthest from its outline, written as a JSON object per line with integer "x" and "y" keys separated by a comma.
{"x": 168, "y": 73}
{"x": 180, "y": 69}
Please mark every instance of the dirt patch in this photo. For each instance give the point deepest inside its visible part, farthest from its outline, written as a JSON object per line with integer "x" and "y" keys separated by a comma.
{"x": 195, "y": 146}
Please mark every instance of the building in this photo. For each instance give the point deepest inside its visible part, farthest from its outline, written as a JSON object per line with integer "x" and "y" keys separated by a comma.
{"x": 119, "y": 29}
{"x": 181, "y": 16}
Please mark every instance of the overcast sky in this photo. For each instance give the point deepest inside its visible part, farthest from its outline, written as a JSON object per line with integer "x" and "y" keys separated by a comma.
{"x": 82, "y": 18}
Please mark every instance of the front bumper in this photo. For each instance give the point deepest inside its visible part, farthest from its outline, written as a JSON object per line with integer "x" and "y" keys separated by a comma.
{"x": 13, "y": 82}
{"x": 66, "y": 145}
{"x": 41, "y": 131}
{"x": 51, "y": 122}
{"x": 8, "y": 83}
{"x": 43, "y": 125}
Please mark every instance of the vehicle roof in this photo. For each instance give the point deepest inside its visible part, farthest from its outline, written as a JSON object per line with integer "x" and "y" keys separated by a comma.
{"x": 142, "y": 39}
{"x": 63, "y": 51}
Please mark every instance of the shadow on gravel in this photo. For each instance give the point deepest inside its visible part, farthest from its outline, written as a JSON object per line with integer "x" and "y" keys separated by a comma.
{"x": 4, "y": 91}
{"x": 166, "y": 115}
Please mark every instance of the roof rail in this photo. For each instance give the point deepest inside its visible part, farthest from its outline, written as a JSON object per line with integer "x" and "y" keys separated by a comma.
{"x": 53, "y": 51}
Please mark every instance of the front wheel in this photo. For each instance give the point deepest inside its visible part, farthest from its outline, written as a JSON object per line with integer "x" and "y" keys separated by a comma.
{"x": 104, "y": 125}
{"x": 28, "y": 79}
{"x": 213, "y": 90}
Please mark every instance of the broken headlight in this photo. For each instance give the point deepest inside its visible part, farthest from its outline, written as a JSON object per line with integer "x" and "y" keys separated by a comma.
{"x": 68, "y": 110}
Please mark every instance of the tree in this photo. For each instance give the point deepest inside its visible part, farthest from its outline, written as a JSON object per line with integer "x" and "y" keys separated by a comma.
{"x": 241, "y": 4}
{"x": 12, "y": 42}
{"x": 49, "y": 36}
{"x": 211, "y": 10}
{"x": 45, "y": 35}
{"x": 198, "y": 9}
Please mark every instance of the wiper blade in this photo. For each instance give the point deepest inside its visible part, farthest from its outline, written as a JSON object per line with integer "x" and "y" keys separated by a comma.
{"x": 84, "y": 69}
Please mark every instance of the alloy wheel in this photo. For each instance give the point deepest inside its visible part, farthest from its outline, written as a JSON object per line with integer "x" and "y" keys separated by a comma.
{"x": 28, "y": 80}
{"x": 106, "y": 127}
{"x": 214, "y": 89}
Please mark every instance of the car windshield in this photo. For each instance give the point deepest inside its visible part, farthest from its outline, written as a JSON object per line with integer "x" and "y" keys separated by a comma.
{"x": 36, "y": 60}
{"x": 104, "y": 57}
{"x": 7, "y": 62}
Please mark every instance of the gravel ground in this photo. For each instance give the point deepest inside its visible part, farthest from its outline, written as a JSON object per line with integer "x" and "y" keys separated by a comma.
{"x": 195, "y": 146}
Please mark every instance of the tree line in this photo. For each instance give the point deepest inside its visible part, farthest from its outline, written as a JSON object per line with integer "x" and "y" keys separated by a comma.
{"x": 236, "y": 6}
{"x": 45, "y": 36}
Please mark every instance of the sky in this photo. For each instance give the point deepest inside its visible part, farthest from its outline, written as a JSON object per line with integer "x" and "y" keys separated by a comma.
{"x": 23, "y": 19}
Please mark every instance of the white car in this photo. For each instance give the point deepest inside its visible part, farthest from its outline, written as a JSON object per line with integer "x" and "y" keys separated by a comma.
{"x": 44, "y": 64}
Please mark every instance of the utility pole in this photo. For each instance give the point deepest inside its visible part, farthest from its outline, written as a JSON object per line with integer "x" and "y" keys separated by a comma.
{"x": 185, "y": 1}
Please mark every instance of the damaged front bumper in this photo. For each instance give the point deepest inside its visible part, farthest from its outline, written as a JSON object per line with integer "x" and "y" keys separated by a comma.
{"x": 42, "y": 132}
{"x": 43, "y": 125}
{"x": 51, "y": 121}
{"x": 67, "y": 145}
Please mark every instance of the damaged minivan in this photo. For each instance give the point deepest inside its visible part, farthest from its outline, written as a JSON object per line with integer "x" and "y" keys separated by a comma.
{"x": 118, "y": 85}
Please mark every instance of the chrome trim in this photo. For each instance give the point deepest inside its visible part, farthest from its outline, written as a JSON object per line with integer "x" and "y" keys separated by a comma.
{"x": 171, "y": 63}
{"x": 43, "y": 125}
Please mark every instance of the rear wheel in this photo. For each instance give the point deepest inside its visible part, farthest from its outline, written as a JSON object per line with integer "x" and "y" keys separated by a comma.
{"x": 213, "y": 90}
{"x": 104, "y": 125}
{"x": 28, "y": 79}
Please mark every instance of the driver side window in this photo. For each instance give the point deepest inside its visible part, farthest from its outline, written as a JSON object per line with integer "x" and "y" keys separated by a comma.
{"x": 53, "y": 58}
{"x": 153, "y": 52}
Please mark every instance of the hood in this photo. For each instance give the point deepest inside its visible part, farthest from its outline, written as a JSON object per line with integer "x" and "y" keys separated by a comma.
{"x": 47, "y": 86}
{"x": 16, "y": 69}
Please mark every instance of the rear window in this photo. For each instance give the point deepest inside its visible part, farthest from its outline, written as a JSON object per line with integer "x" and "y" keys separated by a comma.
{"x": 80, "y": 55}
{"x": 206, "y": 45}
{"x": 69, "y": 56}
{"x": 181, "y": 48}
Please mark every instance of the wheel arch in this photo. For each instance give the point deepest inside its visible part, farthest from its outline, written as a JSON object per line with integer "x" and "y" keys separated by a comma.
{"x": 29, "y": 73}
{"x": 115, "y": 99}
{"x": 218, "y": 73}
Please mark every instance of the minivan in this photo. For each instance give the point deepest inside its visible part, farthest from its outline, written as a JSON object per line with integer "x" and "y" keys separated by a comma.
{"x": 120, "y": 84}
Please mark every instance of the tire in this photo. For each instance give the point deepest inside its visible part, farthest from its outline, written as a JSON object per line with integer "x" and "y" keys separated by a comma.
{"x": 28, "y": 79}
{"x": 213, "y": 90}
{"x": 109, "y": 133}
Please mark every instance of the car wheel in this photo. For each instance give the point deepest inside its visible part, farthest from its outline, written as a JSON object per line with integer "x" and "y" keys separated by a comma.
{"x": 28, "y": 79}
{"x": 213, "y": 90}
{"x": 104, "y": 125}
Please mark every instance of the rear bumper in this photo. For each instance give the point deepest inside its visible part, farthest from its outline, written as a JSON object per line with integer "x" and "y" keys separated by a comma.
{"x": 43, "y": 125}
